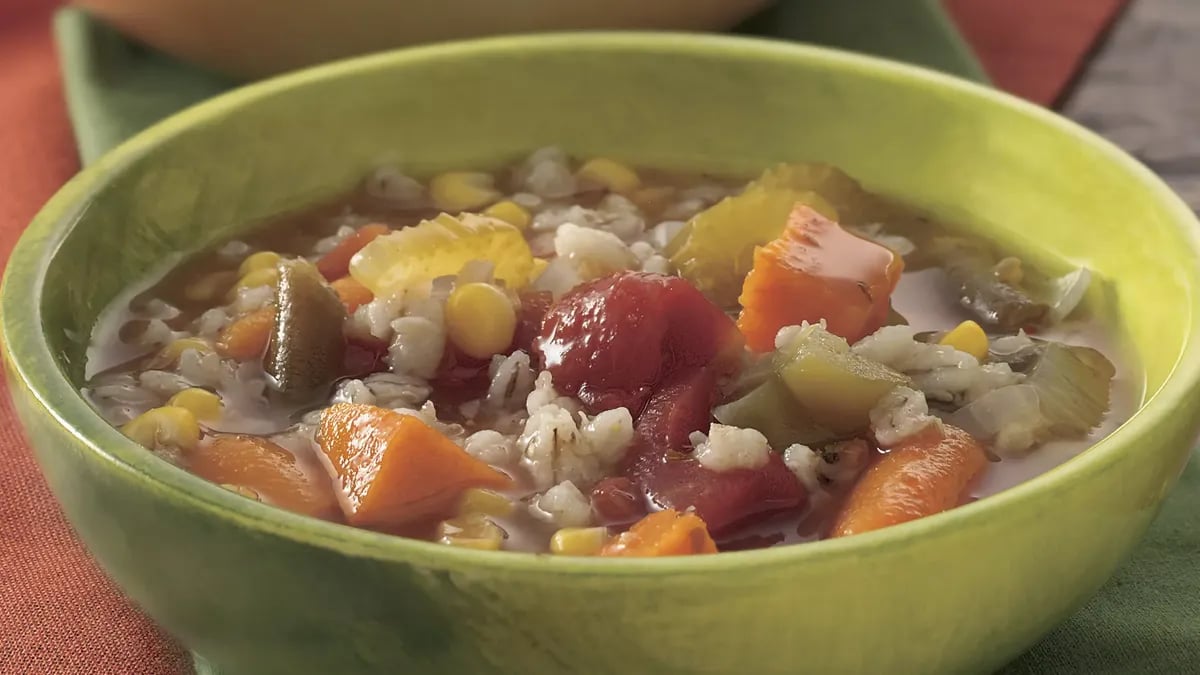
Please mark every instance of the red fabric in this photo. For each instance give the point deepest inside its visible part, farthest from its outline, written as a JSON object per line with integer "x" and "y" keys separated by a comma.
{"x": 1033, "y": 48}
{"x": 58, "y": 613}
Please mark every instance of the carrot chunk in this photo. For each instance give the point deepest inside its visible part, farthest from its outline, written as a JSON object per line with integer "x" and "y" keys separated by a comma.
{"x": 246, "y": 338}
{"x": 269, "y": 470}
{"x": 352, "y": 294}
{"x": 336, "y": 263}
{"x": 663, "y": 533}
{"x": 923, "y": 475}
{"x": 393, "y": 469}
{"x": 817, "y": 270}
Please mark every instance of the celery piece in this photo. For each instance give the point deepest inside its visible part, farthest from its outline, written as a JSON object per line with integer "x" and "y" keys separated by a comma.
{"x": 1073, "y": 384}
{"x": 835, "y": 386}
{"x": 772, "y": 410}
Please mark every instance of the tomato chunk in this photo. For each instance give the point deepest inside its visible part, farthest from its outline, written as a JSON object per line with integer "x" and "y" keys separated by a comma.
{"x": 816, "y": 270}
{"x": 674, "y": 480}
{"x": 609, "y": 342}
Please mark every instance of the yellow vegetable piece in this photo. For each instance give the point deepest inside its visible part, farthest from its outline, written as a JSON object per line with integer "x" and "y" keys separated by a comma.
{"x": 204, "y": 404}
{"x": 480, "y": 320}
{"x": 611, "y": 174}
{"x": 967, "y": 337}
{"x": 716, "y": 249}
{"x": 165, "y": 427}
{"x": 395, "y": 262}
{"x": 264, "y": 276}
{"x": 462, "y": 190}
{"x": 176, "y": 348}
{"x": 579, "y": 540}
{"x": 258, "y": 261}
{"x": 486, "y": 502}
{"x": 474, "y": 531}
{"x": 510, "y": 212}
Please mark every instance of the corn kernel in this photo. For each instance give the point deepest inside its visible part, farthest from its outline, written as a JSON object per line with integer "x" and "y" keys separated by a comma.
{"x": 611, "y": 174}
{"x": 204, "y": 404}
{"x": 480, "y": 320}
{"x": 967, "y": 337}
{"x": 486, "y": 502}
{"x": 174, "y": 349}
{"x": 264, "y": 276}
{"x": 578, "y": 540}
{"x": 458, "y": 191}
{"x": 473, "y": 531}
{"x": 165, "y": 427}
{"x": 510, "y": 212}
{"x": 209, "y": 287}
{"x": 259, "y": 261}
{"x": 652, "y": 199}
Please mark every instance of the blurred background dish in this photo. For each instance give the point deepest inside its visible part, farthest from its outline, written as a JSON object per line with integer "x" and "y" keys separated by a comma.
{"x": 264, "y": 37}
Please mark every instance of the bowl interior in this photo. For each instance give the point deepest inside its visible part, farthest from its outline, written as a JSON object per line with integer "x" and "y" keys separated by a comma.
{"x": 721, "y": 105}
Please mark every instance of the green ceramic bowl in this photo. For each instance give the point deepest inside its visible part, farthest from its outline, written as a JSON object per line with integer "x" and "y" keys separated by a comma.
{"x": 258, "y": 591}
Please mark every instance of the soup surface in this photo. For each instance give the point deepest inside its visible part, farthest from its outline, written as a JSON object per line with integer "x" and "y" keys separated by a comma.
{"x": 589, "y": 359}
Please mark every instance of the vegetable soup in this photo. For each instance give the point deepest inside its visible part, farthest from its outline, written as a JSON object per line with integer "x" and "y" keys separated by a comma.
{"x": 585, "y": 358}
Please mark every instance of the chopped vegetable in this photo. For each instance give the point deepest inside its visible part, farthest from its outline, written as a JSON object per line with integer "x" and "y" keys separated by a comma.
{"x": 393, "y": 469}
{"x": 834, "y": 385}
{"x": 246, "y": 338}
{"x": 617, "y": 501}
{"x": 174, "y": 349}
{"x": 579, "y": 540}
{"x": 1009, "y": 419}
{"x": 352, "y": 294}
{"x": 166, "y": 427}
{"x": 204, "y": 404}
{"x": 967, "y": 337}
{"x": 609, "y": 174}
{"x": 609, "y": 342}
{"x": 480, "y": 320}
{"x": 268, "y": 469}
{"x": 440, "y": 247}
{"x": 263, "y": 260}
{"x": 652, "y": 200}
{"x": 674, "y": 480}
{"x": 1068, "y": 291}
{"x": 995, "y": 302}
{"x": 336, "y": 263}
{"x": 1073, "y": 384}
{"x": 462, "y": 190}
{"x": 664, "y": 533}
{"x": 923, "y": 475}
{"x": 304, "y": 354}
{"x": 486, "y": 502}
{"x": 716, "y": 249}
{"x": 817, "y": 271}
{"x": 771, "y": 409}
{"x": 475, "y": 531}
{"x": 510, "y": 212}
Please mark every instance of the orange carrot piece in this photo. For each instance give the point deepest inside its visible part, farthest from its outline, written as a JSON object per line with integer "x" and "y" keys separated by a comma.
{"x": 393, "y": 469}
{"x": 351, "y": 293}
{"x": 246, "y": 338}
{"x": 817, "y": 270}
{"x": 923, "y": 475}
{"x": 269, "y": 470}
{"x": 336, "y": 263}
{"x": 663, "y": 533}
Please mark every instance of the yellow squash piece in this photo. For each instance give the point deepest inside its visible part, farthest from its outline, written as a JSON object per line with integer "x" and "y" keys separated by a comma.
{"x": 398, "y": 261}
{"x": 716, "y": 249}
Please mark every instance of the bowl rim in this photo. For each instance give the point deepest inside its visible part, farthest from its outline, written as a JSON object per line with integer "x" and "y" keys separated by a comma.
{"x": 30, "y": 360}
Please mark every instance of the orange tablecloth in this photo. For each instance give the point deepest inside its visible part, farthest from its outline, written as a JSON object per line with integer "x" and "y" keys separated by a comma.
{"x": 58, "y": 612}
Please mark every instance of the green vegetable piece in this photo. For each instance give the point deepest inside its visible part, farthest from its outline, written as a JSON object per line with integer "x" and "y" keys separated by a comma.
{"x": 772, "y": 410}
{"x": 994, "y": 303}
{"x": 304, "y": 353}
{"x": 1073, "y": 384}
{"x": 835, "y": 386}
